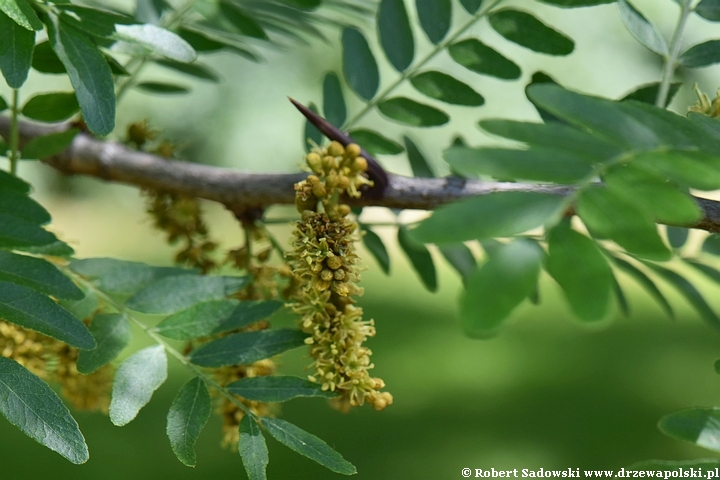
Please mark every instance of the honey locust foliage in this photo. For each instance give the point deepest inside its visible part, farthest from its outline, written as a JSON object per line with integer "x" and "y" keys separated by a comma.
{"x": 623, "y": 168}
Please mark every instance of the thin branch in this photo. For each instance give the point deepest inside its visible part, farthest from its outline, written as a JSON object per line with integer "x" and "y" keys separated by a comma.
{"x": 240, "y": 191}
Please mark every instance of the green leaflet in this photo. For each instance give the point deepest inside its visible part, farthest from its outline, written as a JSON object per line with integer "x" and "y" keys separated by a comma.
{"x": 640, "y": 277}
{"x": 19, "y": 234}
{"x": 112, "y": 334}
{"x": 333, "y": 101}
{"x": 135, "y": 381}
{"x": 480, "y": 58}
{"x": 499, "y": 214}
{"x": 711, "y": 244}
{"x": 460, "y": 258}
{"x": 89, "y": 73}
{"x": 23, "y": 207}
{"x": 648, "y": 93}
{"x": 9, "y": 182}
{"x": 695, "y": 425}
{"x": 152, "y": 40}
{"x": 435, "y": 18}
{"x": 471, "y": 6}
{"x": 246, "y": 347}
{"x": 359, "y": 65}
{"x": 277, "y": 388}
{"x": 395, "y": 33}
{"x": 496, "y": 288}
{"x": 252, "y": 449}
{"x": 709, "y": 10}
{"x": 188, "y": 415}
{"x": 445, "y": 88}
{"x": 419, "y": 164}
{"x": 701, "y": 55}
{"x": 577, "y": 265}
{"x": 30, "y": 309}
{"x": 377, "y": 249}
{"x": 51, "y": 107}
{"x": 410, "y": 112}
{"x": 37, "y": 274}
{"x": 375, "y": 143}
{"x": 640, "y": 28}
{"x": 32, "y": 406}
{"x": 241, "y": 21}
{"x": 93, "y": 21}
{"x": 620, "y": 297}
{"x": 613, "y": 216}
{"x": 196, "y": 70}
{"x": 311, "y": 131}
{"x": 677, "y": 236}
{"x": 162, "y": 87}
{"x": 16, "y": 49}
{"x": 173, "y": 294}
{"x": 307, "y": 445}
{"x": 48, "y": 145}
{"x": 45, "y": 60}
{"x": 122, "y": 278}
{"x": 419, "y": 257}
{"x": 21, "y": 13}
{"x": 526, "y": 30}
{"x": 576, "y": 3}
{"x": 691, "y": 169}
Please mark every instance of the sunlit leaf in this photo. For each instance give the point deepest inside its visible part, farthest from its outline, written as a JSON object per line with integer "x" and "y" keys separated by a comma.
{"x": 396, "y": 35}
{"x": 135, "y": 381}
{"x": 253, "y": 450}
{"x": 152, "y": 40}
{"x": 21, "y": 13}
{"x": 526, "y": 30}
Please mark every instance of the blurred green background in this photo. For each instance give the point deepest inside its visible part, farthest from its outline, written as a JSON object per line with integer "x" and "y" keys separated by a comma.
{"x": 547, "y": 392}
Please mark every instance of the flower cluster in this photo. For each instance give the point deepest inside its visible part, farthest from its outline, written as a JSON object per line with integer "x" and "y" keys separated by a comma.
{"x": 704, "y": 105}
{"x": 325, "y": 267}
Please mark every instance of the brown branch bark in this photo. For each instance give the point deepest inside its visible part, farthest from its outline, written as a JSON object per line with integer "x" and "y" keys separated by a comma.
{"x": 240, "y": 191}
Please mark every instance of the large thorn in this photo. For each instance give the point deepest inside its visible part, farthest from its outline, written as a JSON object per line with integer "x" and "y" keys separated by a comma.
{"x": 376, "y": 173}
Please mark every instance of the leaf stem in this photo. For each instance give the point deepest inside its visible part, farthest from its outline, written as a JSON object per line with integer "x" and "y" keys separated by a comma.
{"x": 410, "y": 71}
{"x": 671, "y": 59}
{"x": 14, "y": 133}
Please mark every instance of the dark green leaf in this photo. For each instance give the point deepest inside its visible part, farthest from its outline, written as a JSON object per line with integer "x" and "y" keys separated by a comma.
{"x": 135, "y": 381}
{"x": 21, "y": 206}
{"x": 11, "y": 182}
{"x": 471, "y": 6}
{"x": 303, "y": 4}
{"x": 539, "y": 78}
{"x": 152, "y": 40}
{"x": 700, "y": 426}
{"x": 246, "y": 347}
{"x": 277, "y": 388}
{"x": 359, "y": 65}
{"x": 112, "y": 334}
{"x": 621, "y": 299}
{"x": 253, "y": 450}
{"x": 460, "y": 257}
{"x": 645, "y": 281}
{"x": 311, "y": 131}
{"x": 241, "y": 21}
{"x": 209, "y": 39}
{"x": 660, "y": 200}
{"x": 32, "y": 406}
{"x": 677, "y": 236}
{"x": 30, "y": 309}
{"x": 150, "y": 11}
{"x": 90, "y": 75}
{"x": 21, "y": 13}
{"x": 446, "y": 88}
{"x": 687, "y": 290}
{"x": 198, "y": 41}
{"x": 497, "y": 214}
{"x": 419, "y": 257}
{"x": 575, "y": 262}
{"x": 20, "y": 234}
{"x": 613, "y": 216}
{"x": 410, "y": 112}
{"x": 435, "y": 18}
{"x": 496, "y": 288}
{"x": 640, "y": 28}
{"x": 527, "y": 31}
{"x": 692, "y": 169}
{"x": 188, "y": 415}
{"x": 377, "y": 249}
{"x": 162, "y": 87}
{"x": 576, "y": 3}
{"x": 709, "y": 10}
{"x": 478, "y": 57}
{"x": 307, "y": 445}
{"x": 98, "y": 23}
{"x": 648, "y": 93}
{"x": 375, "y": 143}
{"x": 419, "y": 164}
{"x": 197, "y": 70}
{"x": 16, "y": 50}
{"x": 248, "y": 312}
{"x": 396, "y": 36}
{"x": 333, "y": 101}
{"x": 553, "y": 135}
{"x": 711, "y": 244}
{"x": 3, "y": 105}
{"x": 48, "y": 145}
{"x": 45, "y": 60}
{"x": 536, "y": 163}
{"x": 37, "y": 274}
{"x": 701, "y": 55}
{"x": 51, "y": 107}
{"x": 173, "y": 294}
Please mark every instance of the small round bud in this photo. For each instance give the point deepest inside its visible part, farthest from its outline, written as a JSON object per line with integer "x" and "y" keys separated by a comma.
{"x": 318, "y": 190}
{"x": 352, "y": 150}
{"x": 329, "y": 163}
{"x": 343, "y": 182}
{"x": 314, "y": 162}
{"x": 331, "y": 181}
{"x": 360, "y": 164}
{"x": 344, "y": 210}
{"x": 335, "y": 149}
{"x": 334, "y": 262}
{"x": 338, "y": 274}
{"x": 326, "y": 275}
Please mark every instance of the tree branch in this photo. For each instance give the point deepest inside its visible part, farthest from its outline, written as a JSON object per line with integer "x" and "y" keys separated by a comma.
{"x": 240, "y": 191}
